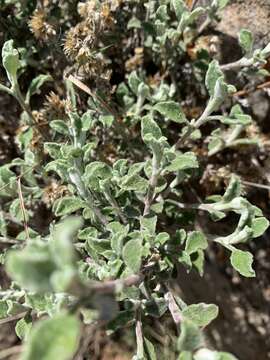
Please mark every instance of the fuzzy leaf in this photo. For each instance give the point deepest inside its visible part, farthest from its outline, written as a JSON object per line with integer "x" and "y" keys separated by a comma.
{"x": 132, "y": 254}
{"x": 195, "y": 241}
{"x": 259, "y": 226}
{"x": 59, "y": 126}
{"x": 179, "y": 7}
{"x": 11, "y": 61}
{"x": 213, "y": 74}
{"x": 134, "y": 82}
{"x": 246, "y": 40}
{"x": 3, "y": 309}
{"x": 61, "y": 242}
{"x": 67, "y": 205}
{"x": 148, "y": 224}
{"x": 190, "y": 337}
{"x": 222, "y": 3}
{"x": 206, "y": 354}
{"x": 16, "y": 211}
{"x": 36, "y": 84}
{"x": 242, "y": 262}
{"x": 31, "y": 267}
{"x": 23, "y": 327}
{"x": 150, "y": 127}
{"x": 134, "y": 183}
{"x": 233, "y": 190}
{"x": 201, "y": 314}
{"x": 183, "y": 162}
{"x": 171, "y": 110}
{"x": 51, "y": 339}
{"x": 150, "y": 350}
{"x": 53, "y": 149}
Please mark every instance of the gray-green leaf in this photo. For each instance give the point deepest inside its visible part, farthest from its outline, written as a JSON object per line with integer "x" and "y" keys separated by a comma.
{"x": 183, "y": 162}
{"x": 52, "y": 339}
{"x": 246, "y": 40}
{"x": 190, "y": 337}
{"x": 36, "y": 84}
{"x": 213, "y": 73}
{"x": 171, "y": 110}
{"x": 201, "y": 314}
{"x": 242, "y": 262}
{"x": 259, "y": 226}
{"x": 132, "y": 254}
{"x": 206, "y": 354}
{"x": 67, "y": 205}
{"x": 195, "y": 241}
{"x": 11, "y": 62}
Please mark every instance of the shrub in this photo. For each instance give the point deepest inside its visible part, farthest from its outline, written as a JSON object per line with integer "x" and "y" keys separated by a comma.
{"x": 114, "y": 170}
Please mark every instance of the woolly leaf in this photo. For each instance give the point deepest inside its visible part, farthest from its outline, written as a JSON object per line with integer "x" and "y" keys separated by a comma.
{"x": 150, "y": 127}
{"x": 259, "y": 226}
{"x": 59, "y": 126}
{"x": 36, "y": 84}
{"x": 149, "y": 347}
{"x": 55, "y": 338}
{"x": 31, "y": 267}
{"x": 206, "y": 354}
{"x": 179, "y": 7}
{"x": 61, "y": 242}
{"x": 23, "y": 327}
{"x": 132, "y": 254}
{"x": 195, "y": 241}
{"x": 171, "y": 110}
{"x": 183, "y": 162}
{"x": 213, "y": 74}
{"x": 242, "y": 262}
{"x": 246, "y": 40}
{"x": 201, "y": 314}
{"x": 11, "y": 62}
{"x": 67, "y": 205}
{"x": 190, "y": 337}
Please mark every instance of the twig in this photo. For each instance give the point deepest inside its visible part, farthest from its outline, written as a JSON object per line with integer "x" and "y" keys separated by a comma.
{"x": 139, "y": 336}
{"x": 116, "y": 207}
{"x": 193, "y": 5}
{"x": 174, "y": 309}
{"x": 204, "y": 25}
{"x": 10, "y": 351}
{"x": 244, "y": 62}
{"x": 152, "y": 185}
{"x": 203, "y": 207}
{"x": 86, "y": 194}
{"x": 23, "y": 209}
{"x": 12, "y": 318}
{"x": 9, "y": 241}
{"x": 260, "y": 186}
{"x": 244, "y": 92}
{"x": 111, "y": 286}
{"x": 17, "y": 177}
{"x": 88, "y": 91}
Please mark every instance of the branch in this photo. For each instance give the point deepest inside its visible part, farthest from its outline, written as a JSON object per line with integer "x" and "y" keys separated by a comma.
{"x": 244, "y": 62}
{"x": 174, "y": 309}
{"x": 152, "y": 185}
{"x": 111, "y": 286}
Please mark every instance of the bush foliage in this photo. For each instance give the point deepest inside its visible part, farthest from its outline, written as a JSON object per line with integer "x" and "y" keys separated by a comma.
{"x": 108, "y": 144}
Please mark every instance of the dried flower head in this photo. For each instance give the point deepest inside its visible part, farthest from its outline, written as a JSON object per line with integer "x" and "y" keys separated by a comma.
{"x": 215, "y": 178}
{"x": 53, "y": 192}
{"x": 79, "y": 41}
{"x": 135, "y": 61}
{"x": 55, "y": 107}
{"x": 39, "y": 26}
